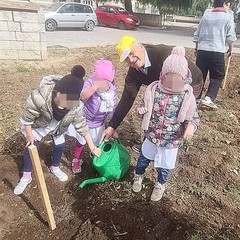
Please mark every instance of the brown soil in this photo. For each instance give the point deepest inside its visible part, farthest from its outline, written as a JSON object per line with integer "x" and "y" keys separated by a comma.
{"x": 202, "y": 198}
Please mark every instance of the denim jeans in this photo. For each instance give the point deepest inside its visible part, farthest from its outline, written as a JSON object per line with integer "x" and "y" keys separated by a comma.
{"x": 142, "y": 164}
{"x": 57, "y": 154}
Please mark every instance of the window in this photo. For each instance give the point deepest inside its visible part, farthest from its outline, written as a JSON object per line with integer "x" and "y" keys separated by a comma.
{"x": 68, "y": 8}
{"x": 112, "y": 10}
{"x": 89, "y": 9}
{"x": 103, "y": 9}
{"x": 79, "y": 8}
{"x": 122, "y": 11}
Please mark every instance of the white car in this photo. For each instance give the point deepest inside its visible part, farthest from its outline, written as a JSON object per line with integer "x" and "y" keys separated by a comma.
{"x": 69, "y": 15}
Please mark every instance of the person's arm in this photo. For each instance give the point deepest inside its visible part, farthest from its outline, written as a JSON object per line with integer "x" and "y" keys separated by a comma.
{"x": 82, "y": 128}
{"x": 231, "y": 36}
{"x": 94, "y": 150}
{"x": 192, "y": 126}
{"x": 29, "y": 136}
{"x": 129, "y": 94}
{"x": 86, "y": 94}
{"x": 32, "y": 108}
{"x": 90, "y": 88}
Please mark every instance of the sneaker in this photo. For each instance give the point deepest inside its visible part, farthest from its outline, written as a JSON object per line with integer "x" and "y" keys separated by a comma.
{"x": 76, "y": 165}
{"x": 137, "y": 183}
{"x": 63, "y": 177}
{"x": 198, "y": 101}
{"x": 136, "y": 148}
{"x": 207, "y": 101}
{"x": 157, "y": 192}
{"x": 21, "y": 186}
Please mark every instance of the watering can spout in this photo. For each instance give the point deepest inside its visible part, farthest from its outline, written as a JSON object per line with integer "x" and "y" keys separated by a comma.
{"x": 92, "y": 181}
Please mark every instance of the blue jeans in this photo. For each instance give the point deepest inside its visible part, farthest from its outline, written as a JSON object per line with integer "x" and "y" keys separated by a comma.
{"x": 142, "y": 164}
{"x": 57, "y": 154}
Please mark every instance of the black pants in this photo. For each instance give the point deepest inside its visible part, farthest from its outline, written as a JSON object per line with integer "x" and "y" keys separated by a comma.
{"x": 212, "y": 62}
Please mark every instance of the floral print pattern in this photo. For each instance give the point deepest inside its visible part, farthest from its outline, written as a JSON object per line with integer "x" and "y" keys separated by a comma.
{"x": 164, "y": 130}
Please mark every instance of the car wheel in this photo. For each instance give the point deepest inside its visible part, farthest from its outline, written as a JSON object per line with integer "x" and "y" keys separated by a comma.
{"x": 122, "y": 25}
{"x": 89, "y": 26}
{"x": 50, "y": 25}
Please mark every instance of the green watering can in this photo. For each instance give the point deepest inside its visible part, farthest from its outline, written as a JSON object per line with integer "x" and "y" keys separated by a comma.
{"x": 113, "y": 163}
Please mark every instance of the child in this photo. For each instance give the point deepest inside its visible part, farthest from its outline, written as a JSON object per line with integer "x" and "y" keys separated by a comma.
{"x": 50, "y": 109}
{"x": 169, "y": 115}
{"x": 100, "y": 99}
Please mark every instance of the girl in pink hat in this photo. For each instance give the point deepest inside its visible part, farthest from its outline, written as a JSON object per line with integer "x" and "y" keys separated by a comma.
{"x": 99, "y": 95}
{"x": 169, "y": 115}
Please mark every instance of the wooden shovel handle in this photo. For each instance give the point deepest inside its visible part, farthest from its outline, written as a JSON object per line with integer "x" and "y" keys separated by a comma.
{"x": 226, "y": 73}
{"x": 42, "y": 185}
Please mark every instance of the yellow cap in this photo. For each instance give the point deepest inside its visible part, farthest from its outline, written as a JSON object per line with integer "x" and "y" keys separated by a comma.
{"x": 125, "y": 47}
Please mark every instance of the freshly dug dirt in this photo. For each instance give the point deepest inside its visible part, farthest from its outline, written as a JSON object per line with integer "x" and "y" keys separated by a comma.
{"x": 202, "y": 198}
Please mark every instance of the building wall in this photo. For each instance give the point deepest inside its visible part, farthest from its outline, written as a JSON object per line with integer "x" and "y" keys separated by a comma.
{"x": 22, "y": 32}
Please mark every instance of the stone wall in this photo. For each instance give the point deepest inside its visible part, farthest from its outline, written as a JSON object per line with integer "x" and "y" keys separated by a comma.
{"x": 154, "y": 20}
{"x": 22, "y": 31}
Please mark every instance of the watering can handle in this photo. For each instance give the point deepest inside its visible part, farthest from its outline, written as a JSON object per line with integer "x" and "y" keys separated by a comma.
{"x": 103, "y": 142}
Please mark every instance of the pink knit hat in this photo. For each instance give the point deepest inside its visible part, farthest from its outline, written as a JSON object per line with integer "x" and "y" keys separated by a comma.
{"x": 104, "y": 70}
{"x": 176, "y": 63}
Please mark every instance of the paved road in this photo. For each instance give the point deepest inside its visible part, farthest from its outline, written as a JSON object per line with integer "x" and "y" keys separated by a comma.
{"x": 102, "y": 36}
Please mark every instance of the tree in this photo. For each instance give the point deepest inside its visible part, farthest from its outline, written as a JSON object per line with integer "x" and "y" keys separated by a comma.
{"x": 128, "y": 6}
{"x": 168, "y": 6}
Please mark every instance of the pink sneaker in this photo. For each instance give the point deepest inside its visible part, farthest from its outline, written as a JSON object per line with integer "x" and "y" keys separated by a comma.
{"x": 76, "y": 165}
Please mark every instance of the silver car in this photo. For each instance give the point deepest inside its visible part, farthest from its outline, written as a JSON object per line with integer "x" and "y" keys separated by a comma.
{"x": 69, "y": 15}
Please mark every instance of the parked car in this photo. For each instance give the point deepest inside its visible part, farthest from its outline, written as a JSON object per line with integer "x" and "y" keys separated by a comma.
{"x": 69, "y": 15}
{"x": 111, "y": 15}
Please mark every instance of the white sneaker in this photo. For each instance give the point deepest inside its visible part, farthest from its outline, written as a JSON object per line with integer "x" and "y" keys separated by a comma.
{"x": 21, "y": 186}
{"x": 137, "y": 183}
{"x": 157, "y": 191}
{"x": 63, "y": 177}
{"x": 207, "y": 101}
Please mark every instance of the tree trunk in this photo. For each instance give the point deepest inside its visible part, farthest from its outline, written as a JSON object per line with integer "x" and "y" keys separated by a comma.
{"x": 128, "y": 6}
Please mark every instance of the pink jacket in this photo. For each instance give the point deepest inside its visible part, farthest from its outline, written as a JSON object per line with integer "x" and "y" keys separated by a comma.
{"x": 187, "y": 110}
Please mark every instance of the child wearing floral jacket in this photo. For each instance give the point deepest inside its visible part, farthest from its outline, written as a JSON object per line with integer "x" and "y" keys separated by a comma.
{"x": 169, "y": 117}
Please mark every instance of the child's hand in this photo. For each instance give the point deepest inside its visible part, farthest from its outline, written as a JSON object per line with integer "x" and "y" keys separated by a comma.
{"x": 30, "y": 138}
{"x": 189, "y": 132}
{"x": 142, "y": 110}
{"x": 96, "y": 152}
{"x": 101, "y": 85}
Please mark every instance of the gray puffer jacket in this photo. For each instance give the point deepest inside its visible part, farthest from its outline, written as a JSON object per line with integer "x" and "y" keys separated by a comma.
{"x": 38, "y": 110}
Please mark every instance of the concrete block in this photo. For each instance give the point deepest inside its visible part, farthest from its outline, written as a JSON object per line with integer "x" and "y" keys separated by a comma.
{"x": 26, "y": 17}
{"x": 14, "y": 27}
{"x": 29, "y": 55}
{"x": 32, "y": 27}
{"x": 17, "y": 45}
{"x": 6, "y": 15}
{"x": 41, "y": 18}
{"x": 8, "y": 54}
{"x": 43, "y": 37}
{"x": 5, "y": 45}
{"x": 44, "y": 54}
{"x": 43, "y": 46}
{"x": 7, "y": 36}
{"x": 35, "y": 46}
{"x": 34, "y": 37}
{"x": 3, "y": 25}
